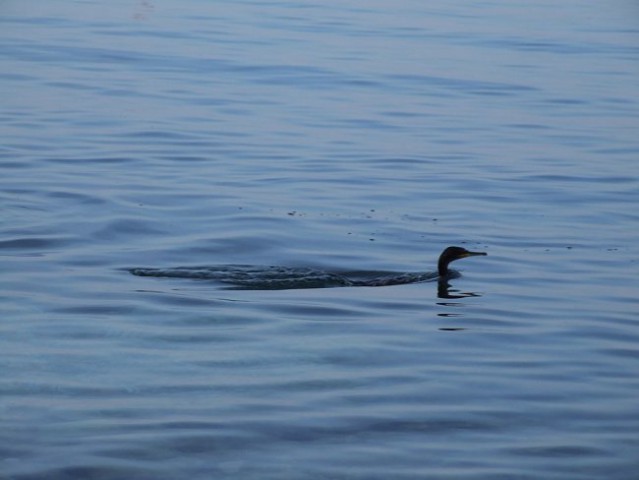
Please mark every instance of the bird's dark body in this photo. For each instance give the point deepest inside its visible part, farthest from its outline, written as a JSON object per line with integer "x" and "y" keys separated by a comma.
{"x": 281, "y": 278}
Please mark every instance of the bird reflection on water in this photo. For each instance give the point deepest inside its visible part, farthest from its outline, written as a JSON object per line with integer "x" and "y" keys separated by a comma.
{"x": 283, "y": 278}
{"x": 444, "y": 290}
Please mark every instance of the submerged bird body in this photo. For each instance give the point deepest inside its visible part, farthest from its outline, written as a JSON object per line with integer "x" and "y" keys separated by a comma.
{"x": 281, "y": 278}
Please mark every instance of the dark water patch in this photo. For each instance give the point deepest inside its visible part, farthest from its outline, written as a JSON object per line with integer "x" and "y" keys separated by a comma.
{"x": 187, "y": 298}
{"x": 98, "y": 160}
{"x": 614, "y": 180}
{"x": 628, "y": 352}
{"x": 209, "y": 443}
{"x": 93, "y": 471}
{"x": 560, "y": 451}
{"x": 59, "y": 391}
{"x": 556, "y": 48}
{"x": 15, "y": 77}
{"x": 323, "y": 430}
{"x": 127, "y": 227}
{"x": 321, "y": 313}
{"x": 303, "y": 77}
{"x": 460, "y": 85}
{"x": 216, "y": 443}
{"x": 631, "y": 150}
{"x": 162, "y": 136}
{"x": 35, "y": 243}
{"x": 76, "y": 197}
{"x": 195, "y": 338}
{"x": 106, "y": 309}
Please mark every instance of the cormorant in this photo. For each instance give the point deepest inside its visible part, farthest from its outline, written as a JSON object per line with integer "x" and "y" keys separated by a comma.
{"x": 280, "y": 278}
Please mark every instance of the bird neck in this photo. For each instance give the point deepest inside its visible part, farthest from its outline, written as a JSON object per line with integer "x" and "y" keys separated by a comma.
{"x": 442, "y": 267}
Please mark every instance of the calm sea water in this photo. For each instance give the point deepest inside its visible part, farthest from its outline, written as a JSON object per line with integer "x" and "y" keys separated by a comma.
{"x": 335, "y": 136}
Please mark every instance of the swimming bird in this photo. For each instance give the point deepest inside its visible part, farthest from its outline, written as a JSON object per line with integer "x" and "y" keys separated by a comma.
{"x": 280, "y": 278}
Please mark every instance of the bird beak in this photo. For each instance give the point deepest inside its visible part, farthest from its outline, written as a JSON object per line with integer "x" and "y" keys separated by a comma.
{"x": 473, "y": 254}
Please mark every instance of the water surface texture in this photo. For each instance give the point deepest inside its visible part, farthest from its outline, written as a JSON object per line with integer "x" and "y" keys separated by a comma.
{"x": 337, "y": 137}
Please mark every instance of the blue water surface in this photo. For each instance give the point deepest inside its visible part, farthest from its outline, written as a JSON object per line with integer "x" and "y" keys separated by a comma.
{"x": 334, "y": 136}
